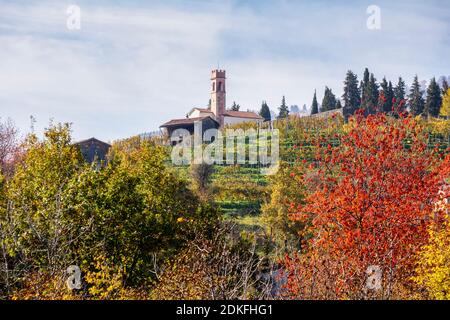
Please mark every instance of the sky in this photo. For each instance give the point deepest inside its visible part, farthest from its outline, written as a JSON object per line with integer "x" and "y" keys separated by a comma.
{"x": 134, "y": 65}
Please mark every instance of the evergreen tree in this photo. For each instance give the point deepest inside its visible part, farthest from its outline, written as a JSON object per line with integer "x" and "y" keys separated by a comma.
{"x": 386, "y": 89}
{"x": 338, "y": 104}
{"x": 390, "y": 96}
{"x": 360, "y": 92}
{"x": 400, "y": 90}
{"x": 314, "y": 106}
{"x": 365, "y": 90}
{"x": 329, "y": 100}
{"x": 415, "y": 98}
{"x": 235, "y": 107}
{"x": 444, "y": 87}
{"x": 434, "y": 99}
{"x": 265, "y": 111}
{"x": 374, "y": 91}
{"x": 351, "y": 96}
{"x": 283, "y": 110}
{"x": 370, "y": 94}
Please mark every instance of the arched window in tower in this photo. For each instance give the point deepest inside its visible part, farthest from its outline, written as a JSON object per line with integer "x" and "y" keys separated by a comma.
{"x": 220, "y": 86}
{"x": 214, "y": 86}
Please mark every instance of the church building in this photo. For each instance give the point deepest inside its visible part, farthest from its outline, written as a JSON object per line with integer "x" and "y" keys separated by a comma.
{"x": 216, "y": 115}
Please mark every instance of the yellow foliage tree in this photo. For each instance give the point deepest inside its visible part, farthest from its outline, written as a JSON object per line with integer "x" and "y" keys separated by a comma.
{"x": 445, "y": 109}
{"x": 433, "y": 269}
{"x": 105, "y": 281}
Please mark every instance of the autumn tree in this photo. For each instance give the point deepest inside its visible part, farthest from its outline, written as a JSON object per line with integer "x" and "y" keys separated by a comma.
{"x": 132, "y": 214}
{"x": 37, "y": 193}
{"x": 8, "y": 146}
{"x": 4, "y": 276}
{"x": 286, "y": 188}
{"x": 140, "y": 205}
{"x": 201, "y": 177}
{"x": 445, "y": 108}
{"x": 433, "y": 269}
{"x": 217, "y": 268}
{"x": 370, "y": 205}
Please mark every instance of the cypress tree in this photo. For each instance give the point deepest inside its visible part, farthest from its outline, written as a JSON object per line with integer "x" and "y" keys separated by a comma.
{"x": 235, "y": 107}
{"x": 265, "y": 111}
{"x": 360, "y": 92}
{"x": 400, "y": 90}
{"x": 351, "y": 95}
{"x": 329, "y": 100}
{"x": 434, "y": 100}
{"x": 415, "y": 99}
{"x": 390, "y": 96}
{"x": 284, "y": 110}
{"x": 369, "y": 91}
{"x": 371, "y": 95}
{"x": 365, "y": 90}
{"x": 386, "y": 88}
{"x": 315, "y": 105}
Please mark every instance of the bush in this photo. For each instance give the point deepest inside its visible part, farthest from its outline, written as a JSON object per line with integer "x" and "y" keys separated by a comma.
{"x": 218, "y": 268}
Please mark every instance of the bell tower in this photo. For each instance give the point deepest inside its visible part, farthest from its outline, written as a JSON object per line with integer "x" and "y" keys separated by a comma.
{"x": 218, "y": 94}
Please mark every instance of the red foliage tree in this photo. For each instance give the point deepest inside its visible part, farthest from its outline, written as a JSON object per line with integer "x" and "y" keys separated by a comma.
{"x": 370, "y": 203}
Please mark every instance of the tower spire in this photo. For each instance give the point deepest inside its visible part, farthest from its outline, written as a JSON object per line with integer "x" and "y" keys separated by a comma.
{"x": 218, "y": 94}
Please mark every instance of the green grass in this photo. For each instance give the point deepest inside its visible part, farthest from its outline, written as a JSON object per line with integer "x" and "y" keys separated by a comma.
{"x": 252, "y": 224}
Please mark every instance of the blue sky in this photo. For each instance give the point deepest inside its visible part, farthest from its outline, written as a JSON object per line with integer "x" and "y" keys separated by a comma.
{"x": 136, "y": 64}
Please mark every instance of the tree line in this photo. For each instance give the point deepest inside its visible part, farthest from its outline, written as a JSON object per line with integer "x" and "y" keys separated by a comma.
{"x": 373, "y": 96}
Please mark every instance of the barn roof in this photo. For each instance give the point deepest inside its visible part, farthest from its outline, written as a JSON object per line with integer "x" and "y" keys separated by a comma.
{"x": 185, "y": 121}
{"x": 92, "y": 140}
{"x": 93, "y": 149}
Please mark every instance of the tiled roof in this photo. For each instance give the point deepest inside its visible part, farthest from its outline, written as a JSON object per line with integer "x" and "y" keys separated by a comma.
{"x": 184, "y": 121}
{"x": 242, "y": 114}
